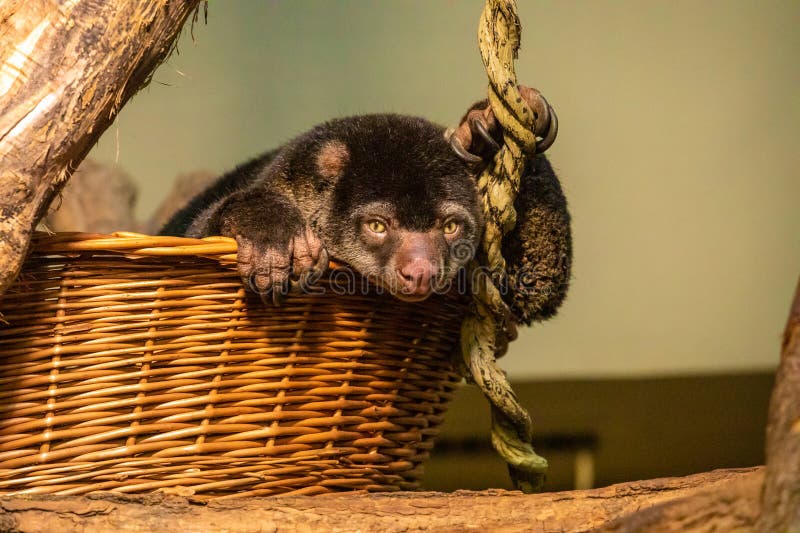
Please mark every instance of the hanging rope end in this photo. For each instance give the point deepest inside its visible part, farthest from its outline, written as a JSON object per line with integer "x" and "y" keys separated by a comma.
{"x": 529, "y": 481}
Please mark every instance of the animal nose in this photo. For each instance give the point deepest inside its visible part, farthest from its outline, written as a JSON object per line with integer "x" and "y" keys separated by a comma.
{"x": 417, "y": 275}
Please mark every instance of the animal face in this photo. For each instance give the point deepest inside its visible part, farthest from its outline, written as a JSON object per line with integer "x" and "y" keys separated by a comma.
{"x": 411, "y": 262}
{"x": 404, "y": 211}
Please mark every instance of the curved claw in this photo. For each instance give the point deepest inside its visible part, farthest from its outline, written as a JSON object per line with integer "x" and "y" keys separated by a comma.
{"x": 263, "y": 296}
{"x": 279, "y": 292}
{"x": 462, "y": 153}
{"x": 484, "y": 133}
{"x": 552, "y": 129}
{"x": 322, "y": 263}
{"x": 314, "y": 274}
{"x": 272, "y": 296}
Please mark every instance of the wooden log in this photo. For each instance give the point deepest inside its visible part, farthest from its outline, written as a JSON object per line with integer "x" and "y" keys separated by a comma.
{"x": 781, "y": 502}
{"x": 732, "y": 507}
{"x": 486, "y": 511}
{"x": 66, "y": 69}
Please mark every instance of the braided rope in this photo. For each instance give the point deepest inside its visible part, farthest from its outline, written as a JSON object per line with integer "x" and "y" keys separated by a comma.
{"x": 499, "y": 38}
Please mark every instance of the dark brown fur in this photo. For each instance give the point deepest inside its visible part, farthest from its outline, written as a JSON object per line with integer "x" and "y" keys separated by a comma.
{"x": 293, "y": 207}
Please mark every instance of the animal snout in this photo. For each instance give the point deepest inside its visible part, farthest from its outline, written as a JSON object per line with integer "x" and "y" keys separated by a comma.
{"x": 417, "y": 275}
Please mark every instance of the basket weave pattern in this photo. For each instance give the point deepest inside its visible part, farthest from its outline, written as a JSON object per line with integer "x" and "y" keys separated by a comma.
{"x": 133, "y": 363}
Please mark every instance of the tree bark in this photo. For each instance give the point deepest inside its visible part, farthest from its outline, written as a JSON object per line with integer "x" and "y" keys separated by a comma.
{"x": 732, "y": 507}
{"x": 66, "y": 69}
{"x": 781, "y": 502}
{"x": 488, "y": 511}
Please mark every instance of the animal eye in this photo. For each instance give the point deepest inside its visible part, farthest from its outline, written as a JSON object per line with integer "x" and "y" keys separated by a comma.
{"x": 450, "y": 227}
{"x": 376, "y": 226}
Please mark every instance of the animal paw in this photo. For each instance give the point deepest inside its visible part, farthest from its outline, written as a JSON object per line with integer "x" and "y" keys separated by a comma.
{"x": 479, "y": 134}
{"x": 272, "y": 270}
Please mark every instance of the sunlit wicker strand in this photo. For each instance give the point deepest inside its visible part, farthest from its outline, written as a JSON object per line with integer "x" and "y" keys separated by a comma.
{"x": 222, "y": 249}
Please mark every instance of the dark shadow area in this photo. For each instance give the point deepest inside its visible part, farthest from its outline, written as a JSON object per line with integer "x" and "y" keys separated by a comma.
{"x": 600, "y": 432}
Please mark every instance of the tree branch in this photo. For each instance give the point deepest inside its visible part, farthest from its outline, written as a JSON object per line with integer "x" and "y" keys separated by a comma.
{"x": 66, "y": 69}
{"x": 389, "y": 512}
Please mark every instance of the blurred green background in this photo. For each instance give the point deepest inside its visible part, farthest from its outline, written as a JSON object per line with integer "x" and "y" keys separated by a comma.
{"x": 677, "y": 151}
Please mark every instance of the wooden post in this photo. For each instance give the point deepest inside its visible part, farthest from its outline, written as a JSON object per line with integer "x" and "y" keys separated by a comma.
{"x": 66, "y": 69}
{"x": 781, "y": 504}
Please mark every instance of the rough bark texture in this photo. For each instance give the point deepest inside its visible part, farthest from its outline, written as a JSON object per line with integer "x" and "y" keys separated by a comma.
{"x": 782, "y": 485}
{"x": 66, "y": 69}
{"x": 726, "y": 507}
{"x": 480, "y": 511}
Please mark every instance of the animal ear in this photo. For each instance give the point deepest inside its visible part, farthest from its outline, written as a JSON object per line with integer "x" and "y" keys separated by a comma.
{"x": 332, "y": 159}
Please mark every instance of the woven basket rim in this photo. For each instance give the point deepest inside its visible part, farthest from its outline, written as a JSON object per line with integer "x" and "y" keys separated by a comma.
{"x": 216, "y": 247}
{"x": 221, "y": 248}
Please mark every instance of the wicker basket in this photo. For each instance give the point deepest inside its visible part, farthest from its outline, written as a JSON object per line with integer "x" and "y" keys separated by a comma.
{"x": 133, "y": 363}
